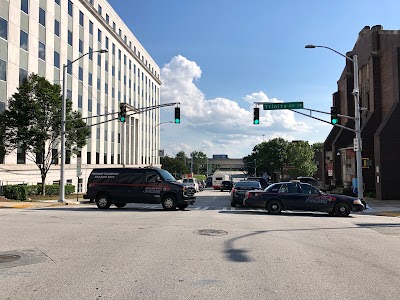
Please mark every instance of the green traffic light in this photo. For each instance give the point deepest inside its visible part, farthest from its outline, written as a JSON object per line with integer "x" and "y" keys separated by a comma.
{"x": 256, "y": 122}
{"x": 177, "y": 121}
{"x": 122, "y": 119}
{"x": 334, "y": 121}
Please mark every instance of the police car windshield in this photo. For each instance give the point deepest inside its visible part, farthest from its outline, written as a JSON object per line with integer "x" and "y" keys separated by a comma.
{"x": 167, "y": 176}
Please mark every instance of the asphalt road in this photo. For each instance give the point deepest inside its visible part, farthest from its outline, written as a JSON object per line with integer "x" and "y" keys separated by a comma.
{"x": 143, "y": 252}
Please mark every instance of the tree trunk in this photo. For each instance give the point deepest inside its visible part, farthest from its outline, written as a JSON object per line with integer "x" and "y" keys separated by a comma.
{"x": 43, "y": 184}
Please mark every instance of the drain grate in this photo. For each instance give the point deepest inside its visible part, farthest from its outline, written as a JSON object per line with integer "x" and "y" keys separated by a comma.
{"x": 5, "y": 258}
{"x": 212, "y": 232}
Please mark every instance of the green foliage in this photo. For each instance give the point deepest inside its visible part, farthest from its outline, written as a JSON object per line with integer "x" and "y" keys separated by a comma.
{"x": 278, "y": 154}
{"x": 317, "y": 146}
{"x": 32, "y": 121}
{"x": 301, "y": 157}
{"x": 176, "y": 166}
{"x": 21, "y": 192}
{"x": 15, "y": 192}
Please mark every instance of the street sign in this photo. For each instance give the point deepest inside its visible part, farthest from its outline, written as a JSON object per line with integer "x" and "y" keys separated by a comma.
{"x": 78, "y": 167}
{"x": 283, "y": 105}
{"x": 357, "y": 147}
{"x": 161, "y": 153}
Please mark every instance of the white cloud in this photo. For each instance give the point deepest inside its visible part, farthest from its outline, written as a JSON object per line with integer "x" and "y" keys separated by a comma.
{"x": 220, "y": 125}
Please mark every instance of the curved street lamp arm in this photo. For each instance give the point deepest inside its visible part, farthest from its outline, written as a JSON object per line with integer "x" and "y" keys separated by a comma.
{"x": 329, "y": 48}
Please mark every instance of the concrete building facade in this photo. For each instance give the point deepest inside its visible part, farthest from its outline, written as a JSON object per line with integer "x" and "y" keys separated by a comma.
{"x": 39, "y": 36}
{"x": 378, "y": 53}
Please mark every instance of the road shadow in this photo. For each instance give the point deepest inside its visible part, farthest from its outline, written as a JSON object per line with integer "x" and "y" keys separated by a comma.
{"x": 284, "y": 213}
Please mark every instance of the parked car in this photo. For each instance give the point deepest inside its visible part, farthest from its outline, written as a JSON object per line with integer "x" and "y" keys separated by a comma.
{"x": 209, "y": 181}
{"x": 301, "y": 196}
{"x": 226, "y": 186}
{"x": 191, "y": 182}
{"x": 239, "y": 190}
{"x": 262, "y": 180}
{"x": 306, "y": 179}
{"x": 120, "y": 186}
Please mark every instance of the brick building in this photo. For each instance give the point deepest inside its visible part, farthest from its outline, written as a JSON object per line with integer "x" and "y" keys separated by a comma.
{"x": 378, "y": 53}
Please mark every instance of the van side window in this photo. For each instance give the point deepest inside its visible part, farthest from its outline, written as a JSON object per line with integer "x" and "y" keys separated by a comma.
{"x": 152, "y": 177}
{"x": 130, "y": 178}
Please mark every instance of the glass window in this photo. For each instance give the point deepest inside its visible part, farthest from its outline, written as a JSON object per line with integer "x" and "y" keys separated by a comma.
{"x": 113, "y": 49}
{"x": 56, "y": 59}
{"x": 107, "y": 18}
{"x": 100, "y": 10}
{"x": 119, "y": 54}
{"x": 88, "y": 158}
{"x": 98, "y": 84}
{"x": 3, "y": 28}
{"x": 91, "y": 2}
{"x": 23, "y": 74}
{"x": 42, "y": 16}
{"x": 20, "y": 156}
{"x": 42, "y": 51}
{"x": 80, "y": 74}
{"x": 119, "y": 32}
{"x": 23, "y": 41}
{"x": 99, "y": 59}
{"x": 90, "y": 105}
{"x": 69, "y": 67}
{"x": 70, "y": 8}
{"x": 90, "y": 27}
{"x": 80, "y": 101}
{"x": 90, "y": 53}
{"x": 81, "y": 18}
{"x": 113, "y": 71}
{"x": 3, "y": 70}
{"x": 106, "y": 66}
{"x": 106, "y": 88}
{"x": 24, "y": 6}
{"x": 80, "y": 46}
{"x": 69, "y": 38}
{"x": 114, "y": 26}
{"x": 56, "y": 28}
{"x": 90, "y": 80}
{"x": 99, "y": 36}
{"x": 106, "y": 42}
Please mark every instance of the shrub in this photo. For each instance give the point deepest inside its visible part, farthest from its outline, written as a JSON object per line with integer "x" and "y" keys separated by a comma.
{"x": 52, "y": 189}
{"x": 15, "y": 192}
{"x": 69, "y": 189}
{"x": 33, "y": 190}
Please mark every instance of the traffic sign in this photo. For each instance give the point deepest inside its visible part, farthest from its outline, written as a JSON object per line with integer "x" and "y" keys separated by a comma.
{"x": 282, "y": 105}
{"x": 78, "y": 167}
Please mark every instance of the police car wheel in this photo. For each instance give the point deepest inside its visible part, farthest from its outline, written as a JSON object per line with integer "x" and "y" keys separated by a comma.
{"x": 274, "y": 207}
{"x": 120, "y": 205}
{"x": 182, "y": 206}
{"x": 103, "y": 202}
{"x": 342, "y": 209}
{"x": 169, "y": 203}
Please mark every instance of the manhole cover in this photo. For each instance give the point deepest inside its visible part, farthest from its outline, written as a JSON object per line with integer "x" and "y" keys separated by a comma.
{"x": 5, "y": 258}
{"x": 210, "y": 232}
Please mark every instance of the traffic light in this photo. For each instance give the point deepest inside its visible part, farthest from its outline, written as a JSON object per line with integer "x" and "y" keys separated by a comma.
{"x": 122, "y": 112}
{"x": 256, "y": 119}
{"x": 334, "y": 117}
{"x": 177, "y": 115}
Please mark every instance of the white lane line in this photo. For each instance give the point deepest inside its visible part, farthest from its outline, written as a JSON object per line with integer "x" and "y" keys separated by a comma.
{"x": 233, "y": 208}
{"x": 197, "y": 207}
{"x": 205, "y": 208}
{"x": 224, "y": 208}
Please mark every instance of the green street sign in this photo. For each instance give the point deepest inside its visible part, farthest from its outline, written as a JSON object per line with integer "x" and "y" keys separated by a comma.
{"x": 283, "y": 105}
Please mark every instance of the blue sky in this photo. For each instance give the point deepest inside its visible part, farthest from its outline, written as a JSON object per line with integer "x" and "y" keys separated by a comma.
{"x": 234, "y": 52}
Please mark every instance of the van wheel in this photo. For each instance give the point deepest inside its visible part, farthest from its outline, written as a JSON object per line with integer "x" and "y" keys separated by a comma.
{"x": 169, "y": 202}
{"x": 120, "y": 205}
{"x": 103, "y": 201}
{"x": 182, "y": 206}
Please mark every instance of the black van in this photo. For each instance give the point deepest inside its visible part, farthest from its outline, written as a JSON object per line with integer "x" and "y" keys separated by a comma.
{"x": 120, "y": 186}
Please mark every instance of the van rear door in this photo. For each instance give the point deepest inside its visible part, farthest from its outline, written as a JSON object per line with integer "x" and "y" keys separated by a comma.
{"x": 130, "y": 185}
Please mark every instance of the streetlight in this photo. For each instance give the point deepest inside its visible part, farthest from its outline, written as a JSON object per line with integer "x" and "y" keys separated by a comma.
{"x": 63, "y": 117}
{"x": 152, "y": 150}
{"x": 357, "y": 120}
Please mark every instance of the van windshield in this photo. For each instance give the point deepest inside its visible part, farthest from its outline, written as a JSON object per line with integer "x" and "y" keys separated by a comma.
{"x": 167, "y": 176}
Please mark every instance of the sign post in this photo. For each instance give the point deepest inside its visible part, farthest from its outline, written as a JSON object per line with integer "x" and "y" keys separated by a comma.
{"x": 78, "y": 174}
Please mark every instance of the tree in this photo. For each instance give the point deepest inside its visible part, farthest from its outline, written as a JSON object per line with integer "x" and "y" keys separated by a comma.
{"x": 32, "y": 122}
{"x": 301, "y": 158}
{"x": 317, "y": 146}
{"x": 176, "y": 165}
{"x": 268, "y": 156}
{"x": 199, "y": 161}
